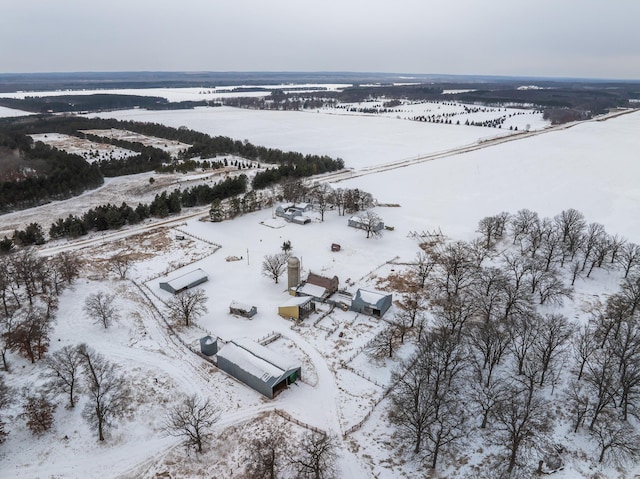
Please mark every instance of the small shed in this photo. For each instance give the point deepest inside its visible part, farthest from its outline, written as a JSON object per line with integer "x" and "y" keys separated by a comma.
{"x": 298, "y": 307}
{"x": 335, "y": 247}
{"x": 258, "y": 367}
{"x": 209, "y": 345}
{"x": 300, "y": 220}
{"x": 371, "y": 303}
{"x": 242, "y": 309}
{"x": 185, "y": 281}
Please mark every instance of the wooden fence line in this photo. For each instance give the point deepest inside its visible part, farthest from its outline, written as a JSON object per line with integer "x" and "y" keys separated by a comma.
{"x": 377, "y": 268}
{"x": 182, "y": 265}
{"x": 289, "y": 417}
{"x": 360, "y": 423}
{"x": 200, "y": 238}
{"x": 362, "y": 375}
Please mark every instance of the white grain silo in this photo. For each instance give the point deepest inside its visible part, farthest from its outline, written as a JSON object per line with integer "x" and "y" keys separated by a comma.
{"x": 293, "y": 272}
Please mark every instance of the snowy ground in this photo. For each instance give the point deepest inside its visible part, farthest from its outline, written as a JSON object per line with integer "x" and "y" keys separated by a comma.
{"x": 591, "y": 167}
{"x": 360, "y": 140}
{"x": 11, "y": 112}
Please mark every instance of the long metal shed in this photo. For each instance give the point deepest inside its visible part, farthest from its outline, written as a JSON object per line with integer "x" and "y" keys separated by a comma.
{"x": 185, "y": 281}
{"x": 258, "y": 367}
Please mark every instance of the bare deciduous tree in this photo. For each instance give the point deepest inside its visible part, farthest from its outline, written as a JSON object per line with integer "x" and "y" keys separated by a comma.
{"x": 101, "y": 308}
{"x": 30, "y": 336}
{"x": 294, "y": 190}
{"x": 67, "y": 267}
{"x": 266, "y": 452}
{"x": 629, "y": 258}
{"x": 383, "y": 344}
{"x": 522, "y": 223}
{"x": 421, "y": 269}
{"x": 274, "y": 265}
{"x": 192, "y": 419}
{"x": 322, "y": 196}
{"x": 8, "y": 324}
{"x": 107, "y": 389}
{"x": 316, "y": 455}
{"x": 486, "y": 394}
{"x": 187, "y": 306}
{"x": 38, "y": 411}
{"x": 425, "y": 400}
{"x": 578, "y": 400}
{"x": 488, "y": 342}
{"x": 64, "y": 372}
{"x": 554, "y": 332}
{"x": 600, "y": 377}
{"x": 371, "y": 223}
{"x": 455, "y": 271}
{"x": 492, "y": 228}
{"x": 520, "y": 421}
{"x": 120, "y": 264}
{"x": 617, "y": 440}
{"x": 6, "y": 396}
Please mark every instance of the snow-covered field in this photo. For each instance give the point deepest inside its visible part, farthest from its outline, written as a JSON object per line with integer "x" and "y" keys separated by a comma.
{"x": 11, "y": 112}
{"x": 591, "y": 167}
{"x": 359, "y": 140}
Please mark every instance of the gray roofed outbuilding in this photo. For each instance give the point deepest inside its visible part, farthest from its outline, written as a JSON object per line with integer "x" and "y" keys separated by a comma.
{"x": 371, "y": 302}
{"x": 258, "y": 367}
{"x": 185, "y": 281}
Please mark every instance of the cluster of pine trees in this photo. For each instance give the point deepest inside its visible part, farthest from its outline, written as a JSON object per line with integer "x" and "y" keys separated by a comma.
{"x": 59, "y": 175}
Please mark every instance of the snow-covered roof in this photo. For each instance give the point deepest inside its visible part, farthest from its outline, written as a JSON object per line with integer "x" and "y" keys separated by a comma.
{"x": 296, "y": 301}
{"x": 312, "y": 290}
{"x": 241, "y": 306}
{"x": 371, "y": 297}
{"x": 186, "y": 279}
{"x": 257, "y": 360}
{"x": 301, "y": 219}
{"x": 283, "y": 362}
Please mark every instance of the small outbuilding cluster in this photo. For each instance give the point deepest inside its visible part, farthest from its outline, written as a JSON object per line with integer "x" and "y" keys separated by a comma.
{"x": 294, "y": 212}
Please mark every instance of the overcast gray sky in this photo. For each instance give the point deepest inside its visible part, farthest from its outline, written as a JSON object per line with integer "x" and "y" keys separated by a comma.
{"x": 557, "y": 38}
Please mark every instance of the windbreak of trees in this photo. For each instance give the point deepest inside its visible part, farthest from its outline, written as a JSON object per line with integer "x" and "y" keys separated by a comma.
{"x": 108, "y": 217}
{"x": 296, "y": 166}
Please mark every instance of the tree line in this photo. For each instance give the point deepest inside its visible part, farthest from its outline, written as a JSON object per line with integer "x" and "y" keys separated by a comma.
{"x": 95, "y": 102}
{"x": 108, "y": 217}
{"x": 493, "y": 359}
